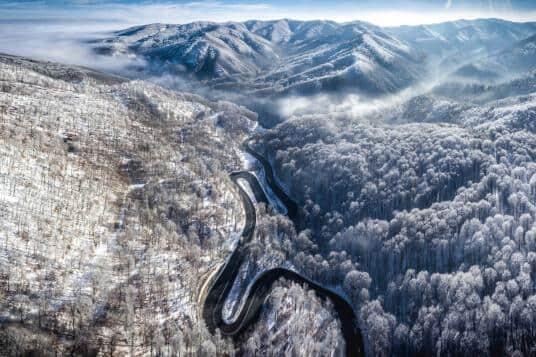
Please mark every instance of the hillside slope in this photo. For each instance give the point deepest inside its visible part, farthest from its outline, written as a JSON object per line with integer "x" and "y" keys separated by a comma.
{"x": 115, "y": 202}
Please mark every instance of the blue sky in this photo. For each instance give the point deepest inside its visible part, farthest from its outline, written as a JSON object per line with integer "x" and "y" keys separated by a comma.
{"x": 381, "y": 12}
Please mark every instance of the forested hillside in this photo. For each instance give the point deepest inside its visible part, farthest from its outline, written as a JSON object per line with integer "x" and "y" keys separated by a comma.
{"x": 115, "y": 202}
{"x": 428, "y": 228}
{"x": 116, "y": 207}
{"x": 296, "y": 322}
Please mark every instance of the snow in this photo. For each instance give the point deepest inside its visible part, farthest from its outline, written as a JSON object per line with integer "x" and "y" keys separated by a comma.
{"x": 237, "y": 296}
{"x": 272, "y": 55}
{"x": 7, "y": 198}
{"x": 248, "y": 161}
{"x": 270, "y": 195}
{"x": 378, "y": 50}
{"x": 364, "y": 63}
{"x": 70, "y": 222}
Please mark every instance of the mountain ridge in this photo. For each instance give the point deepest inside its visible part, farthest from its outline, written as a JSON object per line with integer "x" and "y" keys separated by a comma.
{"x": 279, "y": 56}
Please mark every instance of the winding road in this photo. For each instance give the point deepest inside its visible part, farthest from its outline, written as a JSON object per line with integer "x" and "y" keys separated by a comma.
{"x": 221, "y": 283}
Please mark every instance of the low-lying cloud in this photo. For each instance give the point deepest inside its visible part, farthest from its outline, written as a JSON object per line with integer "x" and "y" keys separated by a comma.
{"x": 351, "y": 104}
{"x": 60, "y": 40}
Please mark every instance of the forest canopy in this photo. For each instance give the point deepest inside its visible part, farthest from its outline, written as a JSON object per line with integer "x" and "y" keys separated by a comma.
{"x": 429, "y": 229}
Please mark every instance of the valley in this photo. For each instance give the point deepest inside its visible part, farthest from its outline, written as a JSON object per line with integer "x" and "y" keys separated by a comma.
{"x": 273, "y": 188}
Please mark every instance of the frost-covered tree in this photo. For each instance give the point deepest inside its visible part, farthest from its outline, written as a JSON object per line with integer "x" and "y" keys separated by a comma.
{"x": 428, "y": 228}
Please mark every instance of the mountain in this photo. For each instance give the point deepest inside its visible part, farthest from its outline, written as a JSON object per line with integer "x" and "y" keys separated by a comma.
{"x": 325, "y": 56}
{"x": 512, "y": 61}
{"x": 273, "y": 57}
{"x": 457, "y": 41}
{"x": 505, "y": 73}
{"x": 205, "y": 49}
{"x": 306, "y": 57}
{"x": 519, "y": 58}
{"x": 101, "y": 178}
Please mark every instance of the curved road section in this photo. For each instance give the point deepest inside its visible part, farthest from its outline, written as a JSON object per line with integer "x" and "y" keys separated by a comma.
{"x": 221, "y": 284}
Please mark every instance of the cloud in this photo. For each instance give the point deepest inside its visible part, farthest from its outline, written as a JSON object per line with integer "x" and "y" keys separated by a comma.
{"x": 448, "y": 5}
{"x": 59, "y": 40}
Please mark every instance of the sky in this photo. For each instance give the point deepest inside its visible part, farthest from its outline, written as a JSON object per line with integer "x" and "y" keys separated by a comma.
{"x": 380, "y": 12}
{"x": 56, "y": 29}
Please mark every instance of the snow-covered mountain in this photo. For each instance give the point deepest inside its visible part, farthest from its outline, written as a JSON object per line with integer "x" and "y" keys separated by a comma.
{"x": 306, "y": 57}
{"x": 506, "y": 73}
{"x": 205, "y": 49}
{"x": 458, "y": 40}
{"x": 327, "y": 56}
{"x": 510, "y": 62}
{"x": 273, "y": 56}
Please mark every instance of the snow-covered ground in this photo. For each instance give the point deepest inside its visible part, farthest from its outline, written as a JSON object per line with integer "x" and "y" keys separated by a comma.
{"x": 114, "y": 200}
{"x": 295, "y": 322}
